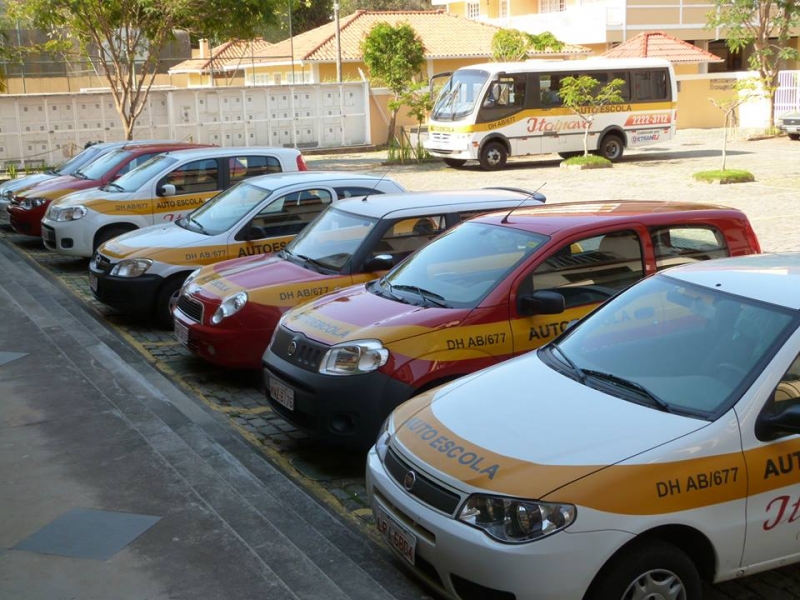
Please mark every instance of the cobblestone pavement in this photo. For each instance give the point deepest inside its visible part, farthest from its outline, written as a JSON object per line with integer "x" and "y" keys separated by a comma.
{"x": 772, "y": 203}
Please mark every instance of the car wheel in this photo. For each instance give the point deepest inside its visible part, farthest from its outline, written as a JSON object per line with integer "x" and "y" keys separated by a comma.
{"x": 109, "y": 233}
{"x": 794, "y": 136}
{"x": 493, "y": 156}
{"x": 648, "y": 569}
{"x": 454, "y": 162}
{"x": 611, "y": 147}
{"x": 167, "y": 300}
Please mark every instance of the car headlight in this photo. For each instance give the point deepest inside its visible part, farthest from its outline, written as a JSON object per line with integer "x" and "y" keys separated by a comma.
{"x": 354, "y": 358}
{"x": 131, "y": 267}
{"x": 230, "y": 306}
{"x": 515, "y": 521}
{"x": 31, "y": 203}
{"x": 66, "y": 213}
{"x": 192, "y": 276}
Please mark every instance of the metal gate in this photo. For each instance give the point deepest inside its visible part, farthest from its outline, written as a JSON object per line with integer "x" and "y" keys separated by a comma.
{"x": 787, "y": 96}
{"x": 47, "y": 129}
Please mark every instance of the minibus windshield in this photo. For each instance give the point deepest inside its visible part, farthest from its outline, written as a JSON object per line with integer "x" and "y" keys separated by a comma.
{"x": 459, "y": 95}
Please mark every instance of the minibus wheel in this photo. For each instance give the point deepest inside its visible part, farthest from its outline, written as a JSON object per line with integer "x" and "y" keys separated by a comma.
{"x": 649, "y": 568}
{"x": 611, "y": 147}
{"x": 454, "y": 162}
{"x": 493, "y": 156}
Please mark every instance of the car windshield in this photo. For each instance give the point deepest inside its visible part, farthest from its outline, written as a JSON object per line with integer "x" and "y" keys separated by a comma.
{"x": 144, "y": 173}
{"x": 673, "y": 346}
{"x": 227, "y": 208}
{"x": 462, "y": 266}
{"x": 459, "y": 95}
{"x": 331, "y": 239}
{"x": 102, "y": 165}
{"x": 80, "y": 159}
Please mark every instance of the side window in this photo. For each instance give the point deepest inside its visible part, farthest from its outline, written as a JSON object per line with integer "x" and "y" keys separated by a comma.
{"x": 504, "y": 97}
{"x": 195, "y": 177}
{"x": 787, "y": 393}
{"x": 135, "y": 162}
{"x": 405, "y": 236}
{"x": 676, "y": 245}
{"x": 290, "y": 214}
{"x": 354, "y": 191}
{"x": 548, "y": 90}
{"x": 650, "y": 85}
{"x": 243, "y": 167}
{"x": 591, "y": 270}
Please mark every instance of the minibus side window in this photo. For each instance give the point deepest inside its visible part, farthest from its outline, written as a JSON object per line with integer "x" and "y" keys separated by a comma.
{"x": 650, "y": 85}
{"x": 504, "y": 97}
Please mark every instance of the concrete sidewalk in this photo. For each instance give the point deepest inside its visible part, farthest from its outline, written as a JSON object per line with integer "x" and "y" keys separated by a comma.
{"x": 116, "y": 484}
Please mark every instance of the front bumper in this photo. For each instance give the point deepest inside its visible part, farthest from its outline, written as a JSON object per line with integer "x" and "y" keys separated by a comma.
{"x": 464, "y": 563}
{"x": 67, "y": 237}
{"x": 342, "y": 410}
{"x": 26, "y": 222}
{"x": 132, "y": 295}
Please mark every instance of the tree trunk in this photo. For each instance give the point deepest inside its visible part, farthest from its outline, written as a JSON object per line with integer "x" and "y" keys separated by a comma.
{"x": 392, "y": 124}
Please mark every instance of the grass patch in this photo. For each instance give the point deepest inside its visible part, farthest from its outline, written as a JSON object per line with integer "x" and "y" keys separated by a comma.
{"x": 726, "y": 176}
{"x": 588, "y": 161}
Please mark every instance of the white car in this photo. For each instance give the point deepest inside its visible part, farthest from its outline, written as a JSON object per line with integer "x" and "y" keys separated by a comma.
{"x": 790, "y": 123}
{"x": 652, "y": 445}
{"x": 162, "y": 190}
{"x": 142, "y": 272}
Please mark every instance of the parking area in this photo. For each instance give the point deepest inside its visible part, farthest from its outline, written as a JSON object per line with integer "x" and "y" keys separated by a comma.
{"x": 656, "y": 173}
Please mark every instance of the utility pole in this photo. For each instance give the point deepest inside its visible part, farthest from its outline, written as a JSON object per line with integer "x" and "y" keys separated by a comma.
{"x": 338, "y": 43}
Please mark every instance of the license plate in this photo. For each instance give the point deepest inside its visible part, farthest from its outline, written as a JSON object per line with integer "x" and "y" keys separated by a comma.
{"x": 397, "y": 536}
{"x": 93, "y": 281}
{"x": 182, "y": 333}
{"x": 282, "y": 394}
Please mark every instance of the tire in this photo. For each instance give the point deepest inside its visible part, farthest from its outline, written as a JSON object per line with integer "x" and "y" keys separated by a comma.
{"x": 611, "y": 147}
{"x": 493, "y": 156}
{"x": 794, "y": 136}
{"x": 454, "y": 162}
{"x": 107, "y": 234}
{"x": 166, "y": 299}
{"x": 648, "y": 569}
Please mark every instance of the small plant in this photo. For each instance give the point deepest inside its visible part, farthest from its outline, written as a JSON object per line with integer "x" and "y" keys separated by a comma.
{"x": 12, "y": 171}
{"x": 588, "y": 161}
{"x": 725, "y": 176}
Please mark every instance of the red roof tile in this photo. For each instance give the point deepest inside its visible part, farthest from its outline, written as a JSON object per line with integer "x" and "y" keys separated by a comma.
{"x": 657, "y": 44}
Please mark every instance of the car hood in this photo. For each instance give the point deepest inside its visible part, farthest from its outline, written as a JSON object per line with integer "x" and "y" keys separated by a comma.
{"x": 58, "y": 186}
{"x": 354, "y": 314}
{"x": 165, "y": 243}
{"x": 525, "y": 430}
{"x": 23, "y": 183}
{"x": 91, "y": 196}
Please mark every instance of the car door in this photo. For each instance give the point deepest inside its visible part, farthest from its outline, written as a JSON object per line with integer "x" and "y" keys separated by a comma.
{"x": 586, "y": 271}
{"x": 184, "y": 188}
{"x": 773, "y": 459}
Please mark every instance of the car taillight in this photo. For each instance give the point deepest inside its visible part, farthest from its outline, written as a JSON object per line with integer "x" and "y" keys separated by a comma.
{"x": 301, "y": 163}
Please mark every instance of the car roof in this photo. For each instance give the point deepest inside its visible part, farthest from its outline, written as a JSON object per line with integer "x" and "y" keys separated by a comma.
{"x": 434, "y": 202}
{"x": 215, "y": 151}
{"x": 566, "y": 217}
{"x": 284, "y": 178}
{"x": 771, "y": 278}
{"x": 121, "y": 143}
{"x": 144, "y": 148}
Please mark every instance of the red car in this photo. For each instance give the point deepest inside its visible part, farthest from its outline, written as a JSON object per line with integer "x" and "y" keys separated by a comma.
{"x": 27, "y": 208}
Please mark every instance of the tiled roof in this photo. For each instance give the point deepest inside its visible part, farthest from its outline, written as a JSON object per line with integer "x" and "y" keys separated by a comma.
{"x": 225, "y": 56}
{"x": 657, "y": 44}
{"x": 443, "y": 35}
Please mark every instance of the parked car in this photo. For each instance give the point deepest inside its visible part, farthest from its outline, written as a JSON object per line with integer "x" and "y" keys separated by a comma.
{"x": 84, "y": 157}
{"x": 28, "y": 207}
{"x": 651, "y": 446}
{"x": 790, "y": 123}
{"x": 229, "y": 312}
{"x": 142, "y": 272}
{"x": 163, "y": 190}
{"x": 491, "y": 288}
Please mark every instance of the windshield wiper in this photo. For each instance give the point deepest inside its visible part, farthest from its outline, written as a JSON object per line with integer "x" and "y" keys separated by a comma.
{"x": 111, "y": 185}
{"x": 578, "y": 371}
{"x": 389, "y": 291}
{"x": 318, "y": 266}
{"x": 631, "y": 385}
{"x": 197, "y": 224}
{"x": 426, "y": 295}
{"x": 80, "y": 174}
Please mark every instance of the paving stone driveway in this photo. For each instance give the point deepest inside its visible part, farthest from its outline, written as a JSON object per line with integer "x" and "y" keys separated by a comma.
{"x": 657, "y": 172}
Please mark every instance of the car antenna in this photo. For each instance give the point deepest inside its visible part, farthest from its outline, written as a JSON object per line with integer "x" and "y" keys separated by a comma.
{"x": 377, "y": 183}
{"x": 530, "y": 195}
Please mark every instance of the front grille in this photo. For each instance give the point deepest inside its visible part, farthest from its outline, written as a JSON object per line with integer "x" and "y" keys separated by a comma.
{"x": 424, "y": 489}
{"x": 791, "y": 121}
{"x": 440, "y": 137}
{"x": 101, "y": 263}
{"x": 191, "y": 308}
{"x": 298, "y": 349}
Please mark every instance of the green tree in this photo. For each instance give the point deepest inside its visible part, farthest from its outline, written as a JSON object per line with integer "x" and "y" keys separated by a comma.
{"x": 584, "y": 97}
{"x": 744, "y": 91}
{"x": 767, "y": 26}
{"x": 351, "y": 6}
{"x": 419, "y": 100}
{"x": 394, "y": 56}
{"x": 124, "y": 39}
{"x": 510, "y": 45}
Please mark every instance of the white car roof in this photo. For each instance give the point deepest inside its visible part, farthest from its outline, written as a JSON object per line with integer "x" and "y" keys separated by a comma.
{"x": 434, "y": 202}
{"x": 772, "y": 278}
{"x": 274, "y": 181}
{"x": 215, "y": 151}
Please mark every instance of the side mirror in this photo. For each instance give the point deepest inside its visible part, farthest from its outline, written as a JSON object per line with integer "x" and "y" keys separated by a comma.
{"x": 167, "y": 190}
{"x": 770, "y": 427}
{"x": 543, "y": 302}
{"x": 254, "y": 232}
{"x": 381, "y": 262}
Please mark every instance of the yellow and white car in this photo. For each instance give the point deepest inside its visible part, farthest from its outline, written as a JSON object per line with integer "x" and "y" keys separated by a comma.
{"x": 162, "y": 190}
{"x": 142, "y": 272}
{"x": 651, "y": 446}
